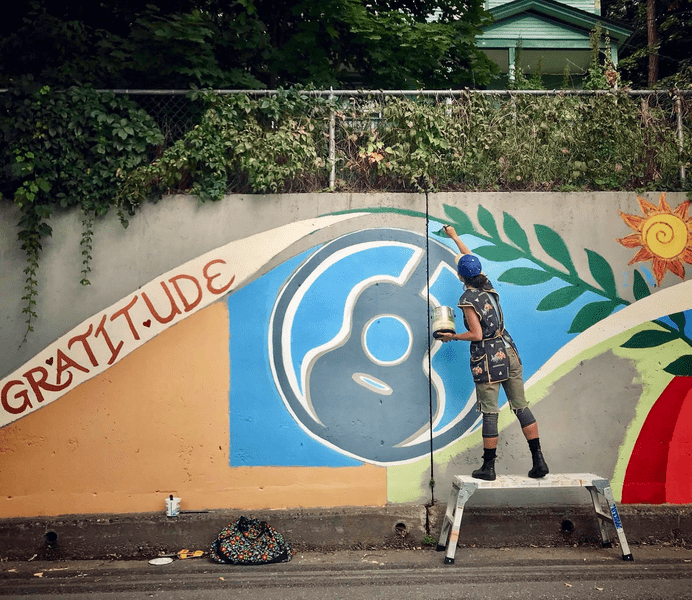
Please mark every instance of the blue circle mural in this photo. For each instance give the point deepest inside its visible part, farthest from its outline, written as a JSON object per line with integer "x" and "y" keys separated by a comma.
{"x": 349, "y": 344}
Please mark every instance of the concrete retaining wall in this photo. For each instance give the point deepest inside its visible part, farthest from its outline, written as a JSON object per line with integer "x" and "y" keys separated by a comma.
{"x": 271, "y": 352}
{"x": 143, "y": 536}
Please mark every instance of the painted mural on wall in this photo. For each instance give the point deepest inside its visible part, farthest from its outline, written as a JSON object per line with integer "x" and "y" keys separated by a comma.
{"x": 333, "y": 365}
{"x": 660, "y": 468}
{"x": 345, "y": 343}
{"x": 106, "y": 338}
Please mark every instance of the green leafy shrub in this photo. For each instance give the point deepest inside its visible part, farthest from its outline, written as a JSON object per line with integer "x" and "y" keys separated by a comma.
{"x": 81, "y": 148}
{"x": 241, "y": 145}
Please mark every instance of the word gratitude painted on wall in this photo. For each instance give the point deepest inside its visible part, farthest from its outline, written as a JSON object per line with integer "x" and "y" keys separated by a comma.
{"x": 104, "y": 339}
{"x": 109, "y": 336}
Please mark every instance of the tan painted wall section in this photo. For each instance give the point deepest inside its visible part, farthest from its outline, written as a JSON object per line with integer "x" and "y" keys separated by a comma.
{"x": 157, "y": 423}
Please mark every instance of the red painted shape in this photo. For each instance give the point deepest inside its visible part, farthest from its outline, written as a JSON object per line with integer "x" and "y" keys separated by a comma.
{"x": 679, "y": 475}
{"x": 647, "y": 471}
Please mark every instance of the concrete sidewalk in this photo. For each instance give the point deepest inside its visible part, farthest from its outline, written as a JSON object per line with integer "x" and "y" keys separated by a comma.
{"x": 658, "y": 573}
{"x": 347, "y": 560}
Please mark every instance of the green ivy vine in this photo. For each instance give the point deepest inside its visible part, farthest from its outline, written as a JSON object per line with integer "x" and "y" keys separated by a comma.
{"x": 63, "y": 149}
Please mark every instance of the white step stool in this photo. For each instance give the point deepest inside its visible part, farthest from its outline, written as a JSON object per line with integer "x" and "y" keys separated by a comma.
{"x": 463, "y": 486}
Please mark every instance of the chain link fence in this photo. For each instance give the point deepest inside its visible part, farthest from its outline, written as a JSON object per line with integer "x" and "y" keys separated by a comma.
{"x": 175, "y": 112}
{"x": 357, "y": 130}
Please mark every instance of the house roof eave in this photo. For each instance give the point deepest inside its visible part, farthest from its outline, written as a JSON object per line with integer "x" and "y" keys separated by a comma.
{"x": 561, "y": 12}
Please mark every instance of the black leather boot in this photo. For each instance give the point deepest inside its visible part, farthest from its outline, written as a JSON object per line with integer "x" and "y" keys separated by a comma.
{"x": 487, "y": 471}
{"x": 540, "y": 468}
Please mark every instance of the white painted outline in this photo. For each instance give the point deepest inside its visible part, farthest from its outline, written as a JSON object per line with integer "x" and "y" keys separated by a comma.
{"x": 424, "y": 433}
{"x": 387, "y": 363}
{"x": 288, "y": 406}
{"x": 658, "y": 305}
{"x": 372, "y": 383}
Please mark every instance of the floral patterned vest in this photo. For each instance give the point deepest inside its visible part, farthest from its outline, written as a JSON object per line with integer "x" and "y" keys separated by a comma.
{"x": 489, "y": 360}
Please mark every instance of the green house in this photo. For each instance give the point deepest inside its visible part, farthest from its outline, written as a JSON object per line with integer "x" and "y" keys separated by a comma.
{"x": 552, "y": 35}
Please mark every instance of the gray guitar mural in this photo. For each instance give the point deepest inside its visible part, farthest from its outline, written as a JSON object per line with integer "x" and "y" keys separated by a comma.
{"x": 369, "y": 408}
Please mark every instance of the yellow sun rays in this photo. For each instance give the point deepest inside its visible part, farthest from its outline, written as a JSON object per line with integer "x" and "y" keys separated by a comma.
{"x": 663, "y": 236}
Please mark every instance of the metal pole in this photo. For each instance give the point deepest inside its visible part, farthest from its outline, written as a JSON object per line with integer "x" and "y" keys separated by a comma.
{"x": 681, "y": 137}
{"x": 332, "y": 144}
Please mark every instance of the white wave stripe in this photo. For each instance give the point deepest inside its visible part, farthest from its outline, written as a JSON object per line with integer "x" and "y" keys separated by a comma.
{"x": 107, "y": 337}
{"x": 660, "y": 304}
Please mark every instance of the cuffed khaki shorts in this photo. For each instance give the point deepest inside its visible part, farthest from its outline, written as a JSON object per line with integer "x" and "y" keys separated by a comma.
{"x": 487, "y": 394}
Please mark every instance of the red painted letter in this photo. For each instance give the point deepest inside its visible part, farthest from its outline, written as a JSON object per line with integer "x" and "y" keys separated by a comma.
{"x": 174, "y": 307}
{"x": 126, "y": 312}
{"x": 65, "y": 362}
{"x": 188, "y": 305}
{"x": 211, "y": 278}
{"x": 87, "y": 348}
{"x": 114, "y": 351}
{"x": 24, "y": 394}
{"x": 42, "y": 383}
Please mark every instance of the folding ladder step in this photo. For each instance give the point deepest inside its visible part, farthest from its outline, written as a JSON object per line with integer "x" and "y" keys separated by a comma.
{"x": 463, "y": 486}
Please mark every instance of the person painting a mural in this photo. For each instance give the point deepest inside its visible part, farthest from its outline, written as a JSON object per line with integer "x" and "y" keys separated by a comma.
{"x": 494, "y": 361}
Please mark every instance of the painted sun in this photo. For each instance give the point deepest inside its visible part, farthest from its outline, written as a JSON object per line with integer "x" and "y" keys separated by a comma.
{"x": 663, "y": 236}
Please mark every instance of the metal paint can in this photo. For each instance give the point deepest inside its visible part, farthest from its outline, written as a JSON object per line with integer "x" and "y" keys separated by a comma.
{"x": 442, "y": 320}
{"x": 172, "y": 506}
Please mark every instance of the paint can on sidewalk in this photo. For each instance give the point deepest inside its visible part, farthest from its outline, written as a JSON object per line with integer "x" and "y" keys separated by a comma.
{"x": 442, "y": 320}
{"x": 172, "y": 506}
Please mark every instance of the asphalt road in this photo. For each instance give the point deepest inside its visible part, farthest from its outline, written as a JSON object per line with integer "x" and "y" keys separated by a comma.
{"x": 487, "y": 574}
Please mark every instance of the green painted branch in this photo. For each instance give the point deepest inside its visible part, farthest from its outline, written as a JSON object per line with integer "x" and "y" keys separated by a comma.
{"x": 575, "y": 281}
{"x": 681, "y": 334}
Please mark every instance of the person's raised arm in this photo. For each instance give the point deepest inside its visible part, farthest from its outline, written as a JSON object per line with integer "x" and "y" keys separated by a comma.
{"x": 452, "y": 234}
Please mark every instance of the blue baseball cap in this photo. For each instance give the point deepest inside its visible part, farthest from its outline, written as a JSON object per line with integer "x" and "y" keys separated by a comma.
{"x": 469, "y": 266}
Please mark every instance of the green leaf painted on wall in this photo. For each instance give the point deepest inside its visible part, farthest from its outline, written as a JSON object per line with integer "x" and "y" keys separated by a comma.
{"x": 681, "y": 367}
{"x": 560, "y": 298}
{"x": 553, "y": 244}
{"x": 515, "y": 233}
{"x": 487, "y": 222}
{"x": 524, "y": 276}
{"x": 501, "y": 253}
{"x": 591, "y": 314}
{"x": 650, "y": 339}
{"x": 679, "y": 320}
{"x": 602, "y": 272}
{"x": 462, "y": 223}
{"x": 640, "y": 288}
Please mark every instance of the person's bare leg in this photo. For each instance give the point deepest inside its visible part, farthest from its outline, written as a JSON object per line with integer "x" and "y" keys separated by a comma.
{"x": 490, "y": 443}
{"x": 531, "y": 431}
